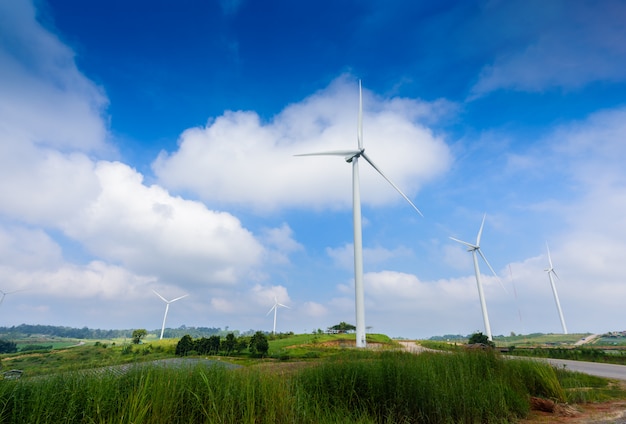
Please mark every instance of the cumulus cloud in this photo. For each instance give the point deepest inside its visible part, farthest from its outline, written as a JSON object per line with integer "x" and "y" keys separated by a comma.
{"x": 149, "y": 231}
{"x": 280, "y": 243}
{"x": 42, "y": 89}
{"x": 239, "y": 160}
{"x": 123, "y": 236}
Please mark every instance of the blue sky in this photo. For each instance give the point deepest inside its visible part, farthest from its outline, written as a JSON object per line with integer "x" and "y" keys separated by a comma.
{"x": 150, "y": 146}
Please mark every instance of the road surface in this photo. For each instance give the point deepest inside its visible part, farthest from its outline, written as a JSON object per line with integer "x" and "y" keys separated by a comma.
{"x": 593, "y": 368}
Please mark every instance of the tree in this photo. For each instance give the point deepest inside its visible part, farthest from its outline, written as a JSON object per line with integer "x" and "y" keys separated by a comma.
{"x": 342, "y": 327}
{"x": 480, "y": 338}
{"x": 259, "y": 345}
{"x": 138, "y": 335}
{"x": 229, "y": 343}
{"x": 214, "y": 344}
{"x": 7, "y": 346}
{"x": 184, "y": 345}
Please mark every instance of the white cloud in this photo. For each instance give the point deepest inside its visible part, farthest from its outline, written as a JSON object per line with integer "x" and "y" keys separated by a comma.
{"x": 314, "y": 309}
{"x": 27, "y": 248}
{"x": 280, "y": 243}
{"x": 43, "y": 186}
{"x": 237, "y": 159}
{"x": 266, "y": 295}
{"x": 149, "y": 231}
{"x": 45, "y": 99}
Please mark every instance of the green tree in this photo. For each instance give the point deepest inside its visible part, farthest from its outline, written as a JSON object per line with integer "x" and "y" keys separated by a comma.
{"x": 480, "y": 338}
{"x": 7, "y": 346}
{"x": 138, "y": 335}
{"x": 202, "y": 346}
{"x": 342, "y": 327}
{"x": 242, "y": 344}
{"x": 184, "y": 345}
{"x": 259, "y": 345}
{"x": 229, "y": 344}
{"x": 214, "y": 344}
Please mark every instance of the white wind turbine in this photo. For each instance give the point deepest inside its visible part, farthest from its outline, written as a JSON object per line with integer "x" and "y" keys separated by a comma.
{"x": 167, "y": 307}
{"x": 352, "y": 156}
{"x": 475, "y": 248}
{"x": 550, "y": 272}
{"x": 3, "y": 293}
{"x": 275, "y": 308}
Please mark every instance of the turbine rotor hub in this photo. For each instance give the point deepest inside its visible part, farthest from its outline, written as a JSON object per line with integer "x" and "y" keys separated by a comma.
{"x": 355, "y": 155}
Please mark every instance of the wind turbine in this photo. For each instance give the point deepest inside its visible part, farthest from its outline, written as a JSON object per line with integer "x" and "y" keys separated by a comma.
{"x": 550, "y": 272}
{"x": 475, "y": 249}
{"x": 352, "y": 156}
{"x": 275, "y": 308}
{"x": 167, "y": 307}
{"x": 5, "y": 293}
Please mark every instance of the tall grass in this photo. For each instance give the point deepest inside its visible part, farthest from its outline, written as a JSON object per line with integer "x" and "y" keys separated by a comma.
{"x": 469, "y": 387}
{"x": 362, "y": 387}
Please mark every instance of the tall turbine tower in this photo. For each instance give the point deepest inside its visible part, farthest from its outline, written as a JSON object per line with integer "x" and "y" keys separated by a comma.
{"x": 550, "y": 272}
{"x": 167, "y": 307}
{"x": 475, "y": 248}
{"x": 352, "y": 156}
{"x": 275, "y": 308}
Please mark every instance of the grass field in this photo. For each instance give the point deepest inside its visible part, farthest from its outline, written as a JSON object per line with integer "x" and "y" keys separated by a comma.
{"x": 343, "y": 386}
{"x": 308, "y": 378}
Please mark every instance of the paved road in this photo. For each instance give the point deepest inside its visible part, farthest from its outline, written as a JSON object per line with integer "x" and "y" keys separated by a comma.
{"x": 593, "y": 368}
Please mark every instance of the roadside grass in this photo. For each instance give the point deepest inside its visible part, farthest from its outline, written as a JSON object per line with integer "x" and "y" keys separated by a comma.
{"x": 585, "y": 388}
{"x": 357, "y": 386}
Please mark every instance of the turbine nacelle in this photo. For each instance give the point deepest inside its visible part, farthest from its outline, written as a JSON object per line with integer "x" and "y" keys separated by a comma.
{"x": 357, "y": 154}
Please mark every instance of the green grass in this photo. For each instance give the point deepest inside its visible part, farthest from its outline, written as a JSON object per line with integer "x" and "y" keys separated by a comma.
{"x": 327, "y": 384}
{"x": 359, "y": 386}
{"x": 539, "y": 339}
{"x": 312, "y": 346}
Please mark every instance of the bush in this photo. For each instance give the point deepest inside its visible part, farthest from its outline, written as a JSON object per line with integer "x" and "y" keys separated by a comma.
{"x": 7, "y": 346}
{"x": 259, "y": 345}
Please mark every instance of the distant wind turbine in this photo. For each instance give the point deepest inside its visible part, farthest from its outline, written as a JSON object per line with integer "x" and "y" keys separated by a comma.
{"x": 275, "y": 308}
{"x": 352, "y": 156}
{"x": 550, "y": 272}
{"x": 167, "y": 307}
{"x": 475, "y": 248}
{"x": 5, "y": 293}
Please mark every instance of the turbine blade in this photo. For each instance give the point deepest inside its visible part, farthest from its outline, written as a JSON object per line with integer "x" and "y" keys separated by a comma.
{"x": 284, "y": 306}
{"x": 554, "y": 272}
{"x": 360, "y": 123}
{"x": 470, "y": 245}
{"x": 162, "y": 298}
{"x": 332, "y": 153}
{"x": 549, "y": 257}
{"x": 178, "y": 298}
{"x": 364, "y": 156}
{"x": 482, "y": 255}
{"x": 480, "y": 232}
{"x": 271, "y": 309}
